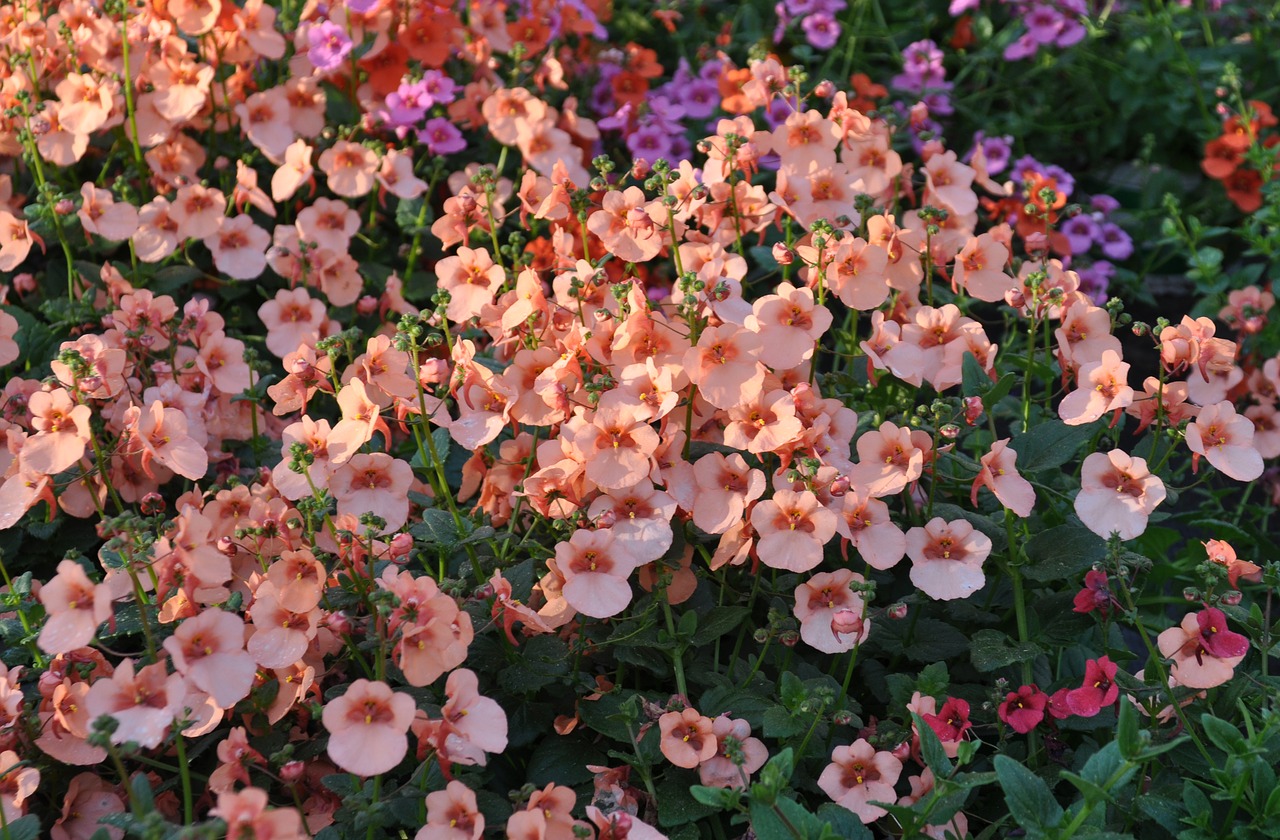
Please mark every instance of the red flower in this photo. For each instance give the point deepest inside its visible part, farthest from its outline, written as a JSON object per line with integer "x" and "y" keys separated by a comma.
{"x": 1098, "y": 690}
{"x": 1095, "y": 595}
{"x": 1023, "y": 709}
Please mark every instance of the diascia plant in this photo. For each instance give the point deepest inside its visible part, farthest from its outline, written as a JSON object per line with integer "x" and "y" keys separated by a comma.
{"x": 459, "y": 420}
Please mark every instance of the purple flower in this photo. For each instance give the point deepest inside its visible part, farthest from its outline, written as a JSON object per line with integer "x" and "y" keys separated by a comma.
{"x": 439, "y": 87}
{"x": 1066, "y": 184}
{"x": 361, "y": 7}
{"x": 921, "y": 58}
{"x": 406, "y": 105}
{"x": 441, "y": 137}
{"x": 959, "y": 7}
{"x": 1073, "y": 32}
{"x": 329, "y": 45}
{"x": 1104, "y": 204}
{"x": 701, "y": 98}
{"x": 939, "y": 103}
{"x": 1024, "y": 47}
{"x": 997, "y": 151}
{"x": 1026, "y": 166}
{"x": 1115, "y": 243}
{"x": 784, "y": 20}
{"x": 1044, "y": 23}
{"x": 821, "y": 30}
{"x": 1095, "y": 280}
{"x": 617, "y": 121}
{"x": 650, "y": 142}
{"x": 1081, "y": 231}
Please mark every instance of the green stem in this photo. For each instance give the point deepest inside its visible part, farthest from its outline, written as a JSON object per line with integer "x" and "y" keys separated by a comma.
{"x": 184, "y": 769}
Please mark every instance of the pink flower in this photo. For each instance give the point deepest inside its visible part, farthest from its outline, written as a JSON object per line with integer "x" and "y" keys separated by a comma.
{"x": 890, "y": 458}
{"x": 88, "y": 799}
{"x": 1096, "y": 595}
{"x": 143, "y": 704}
{"x": 17, "y": 784}
{"x": 1022, "y": 710}
{"x": 1099, "y": 688}
{"x": 793, "y": 528}
{"x": 247, "y": 816}
{"x": 1117, "y": 494}
{"x": 474, "y": 724}
{"x": 725, "y": 365}
{"x": 596, "y": 568}
{"x": 789, "y": 324}
{"x": 859, "y": 775}
{"x": 75, "y": 607}
{"x": 208, "y": 649}
{"x": 630, "y": 229}
{"x": 979, "y": 269}
{"x": 719, "y": 770}
{"x": 820, "y": 603}
{"x": 239, "y": 247}
{"x": 367, "y": 728}
{"x": 161, "y": 433}
{"x": 1000, "y": 475}
{"x": 349, "y": 167}
{"x": 62, "y": 432}
{"x": 1221, "y": 552}
{"x": 865, "y": 522}
{"x": 618, "y": 447}
{"x": 688, "y": 738}
{"x": 1102, "y": 386}
{"x": 1225, "y": 439}
{"x": 946, "y": 558}
{"x": 1204, "y": 652}
{"x": 377, "y": 484}
{"x": 725, "y": 484}
{"x": 452, "y": 814}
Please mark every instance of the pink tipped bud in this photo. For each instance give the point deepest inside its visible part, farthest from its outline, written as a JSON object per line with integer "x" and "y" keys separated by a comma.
{"x": 783, "y": 254}
{"x": 64, "y": 207}
{"x": 152, "y": 503}
{"x": 789, "y": 638}
{"x": 401, "y": 545}
{"x": 293, "y": 771}
{"x": 903, "y": 751}
{"x": 840, "y": 486}
{"x": 847, "y": 623}
{"x": 972, "y": 410}
{"x": 825, "y": 89}
{"x": 1232, "y": 599}
{"x": 367, "y": 305}
{"x": 24, "y": 283}
{"x": 607, "y": 519}
{"x": 340, "y": 623}
{"x": 640, "y": 169}
{"x": 1036, "y": 243}
{"x": 1015, "y": 298}
{"x": 950, "y": 431}
{"x": 897, "y": 612}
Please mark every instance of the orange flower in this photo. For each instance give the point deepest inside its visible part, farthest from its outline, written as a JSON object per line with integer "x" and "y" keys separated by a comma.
{"x": 75, "y": 607}
{"x": 688, "y": 738}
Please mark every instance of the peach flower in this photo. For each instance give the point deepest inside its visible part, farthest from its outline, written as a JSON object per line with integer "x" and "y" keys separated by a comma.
{"x": 1225, "y": 439}
{"x": 350, "y": 168}
{"x": 719, "y": 770}
{"x": 999, "y": 474}
{"x": 208, "y": 649}
{"x": 75, "y": 607}
{"x": 819, "y": 599}
{"x": 144, "y": 703}
{"x": 725, "y": 485}
{"x": 1117, "y": 494}
{"x": 1204, "y": 651}
{"x": 688, "y": 738}
{"x": 452, "y": 814}
{"x": 596, "y": 568}
{"x": 17, "y": 784}
{"x": 865, "y": 522}
{"x": 88, "y": 799}
{"x": 1101, "y": 387}
{"x": 859, "y": 775}
{"x": 248, "y": 817}
{"x": 62, "y": 432}
{"x": 367, "y": 727}
{"x": 793, "y": 527}
{"x": 946, "y": 558}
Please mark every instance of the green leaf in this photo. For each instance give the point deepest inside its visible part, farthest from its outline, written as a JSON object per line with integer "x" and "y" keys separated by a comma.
{"x": 343, "y": 784}
{"x": 1128, "y": 735}
{"x": 545, "y": 660}
{"x": 562, "y": 760}
{"x": 792, "y": 691}
{"x": 845, "y": 822}
{"x": 24, "y": 828}
{"x": 779, "y": 723}
{"x": 1225, "y": 736}
{"x": 436, "y": 528}
{"x": 722, "y": 799}
{"x": 676, "y": 803}
{"x": 975, "y": 379}
{"x": 931, "y": 749}
{"x": 718, "y": 621}
{"x": 1000, "y": 391}
{"x": 931, "y": 640}
{"x": 1064, "y": 552}
{"x": 1050, "y": 445}
{"x": 991, "y": 649}
{"x": 767, "y": 821}
{"x": 1030, "y": 801}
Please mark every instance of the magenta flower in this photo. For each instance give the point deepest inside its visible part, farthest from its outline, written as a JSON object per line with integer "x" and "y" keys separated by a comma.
{"x": 329, "y": 45}
{"x": 821, "y": 30}
{"x": 441, "y": 137}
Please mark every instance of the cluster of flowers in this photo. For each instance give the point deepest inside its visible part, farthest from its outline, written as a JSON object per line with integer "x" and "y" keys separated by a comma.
{"x": 1048, "y": 23}
{"x": 1225, "y": 157}
{"x": 817, "y": 19}
{"x": 578, "y": 375}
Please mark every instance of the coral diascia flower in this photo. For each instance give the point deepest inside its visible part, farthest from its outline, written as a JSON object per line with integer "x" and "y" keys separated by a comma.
{"x": 1225, "y": 439}
{"x": 946, "y": 558}
{"x": 1117, "y": 494}
{"x": 793, "y": 528}
{"x": 596, "y": 568}
{"x": 859, "y": 775}
{"x": 688, "y": 738}
{"x": 1204, "y": 652}
{"x": 367, "y": 727}
{"x": 818, "y": 602}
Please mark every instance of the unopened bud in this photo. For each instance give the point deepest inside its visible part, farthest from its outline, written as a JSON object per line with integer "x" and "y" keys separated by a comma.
{"x": 789, "y": 638}
{"x": 1232, "y": 598}
{"x": 782, "y": 253}
{"x": 824, "y": 89}
{"x": 897, "y": 612}
{"x": 340, "y": 623}
{"x": 950, "y": 431}
{"x": 293, "y": 771}
{"x": 367, "y": 305}
{"x": 1015, "y": 298}
{"x": 153, "y": 503}
{"x": 840, "y": 486}
{"x": 401, "y": 545}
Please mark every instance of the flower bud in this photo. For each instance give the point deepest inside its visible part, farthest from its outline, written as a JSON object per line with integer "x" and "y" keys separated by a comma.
{"x": 1233, "y": 598}
{"x": 897, "y": 611}
{"x": 846, "y": 622}
{"x": 401, "y": 545}
{"x": 1191, "y": 594}
{"x": 226, "y": 546}
{"x": 1015, "y": 298}
{"x": 950, "y": 431}
{"x": 24, "y": 283}
{"x": 789, "y": 638}
{"x": 782, "y": 253}
{"x": 64, "y": 207}
{"x": 367, "y": 305}
{"x": 640, "y": 169}
{"x": 293, "y": 771}
{"x": 825, "y": 89}
{"x": 903, "y": 751}
{"x": 152, "y": 503}
{"x": 839, "y": 487}
{"x": 340, "y": 623}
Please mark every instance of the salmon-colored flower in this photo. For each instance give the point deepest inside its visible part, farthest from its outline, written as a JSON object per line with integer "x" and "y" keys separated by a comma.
{"x": 281, "y": 635}
{"x": 294, "y": 172}
{"x": 1225, "y": 439}
{"x": 688, "y": 738}
{"x": 793, "y": 528}
{"x": 291, "y": 318}
{"x": 631, "y": 229}
{"x": 617, "y": 446}
{"x": 361, "y": 417}
{"x": 472, "y": 279}
{"x": 1222, "y": 553}
{"x": 452, "y": 814}
{"x": 890, "y": 458}
{"x": 208, "y": 649}
{"x": 1204, "y": 651}
{"x": 17, "y": 784}
{"x": 239, "y": 247}
{"x": 1117, "y": 494}
{"x": 859, "y": 775}
{"x": 789, "y": 324}
{"x": 999, "y": 474}
{"x": 979, "y": 269}
{"x": 328, "y": 224}
{"x": 350, "y": 168}
{"x": 75, "y": 606}
{"x": 374, "y": 483}
{"x": 725, "y": 485}
{"x": 865, "y": 522}
{"x": 89, "y": 798}
{"x": 946, "y": 558}
{"x": 596, "y": 569}
{"x": 102, "y": 215}
{"x": 248, "y": 817}
{"x": 720, "y": 770}
{"x": 62, "y": 432}
{"x": 367, "y": 727}
{"x": 819, "y": 599}
{"x": 1102, "y": 386}
{"x": 725, "y": 365}
{"x": 144, "y": 703}
{"x": 16, "y": 239}
{"x": 473, "y": 725}
{"x": 162, "y": 434}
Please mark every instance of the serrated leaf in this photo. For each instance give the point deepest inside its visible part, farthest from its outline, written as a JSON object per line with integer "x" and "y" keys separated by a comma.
{"x": 1049, "y": 445}
{"x": 991, "y": 649}
{"x": 436, "y": 528}
{"x": 1063, "y": 552}
{"x": 676, "y": 804}
{"x": 717, "y": 622}
{"x": 1030, "y": 801}
{"x": 779, "y": 723}
{"x": 935, "y": 757}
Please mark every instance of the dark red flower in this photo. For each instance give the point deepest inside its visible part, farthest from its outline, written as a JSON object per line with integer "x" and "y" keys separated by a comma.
{"x": 1023, "y": 709}
{"x": 1096, "y": 595}
{"x": 1098, "y": 690}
